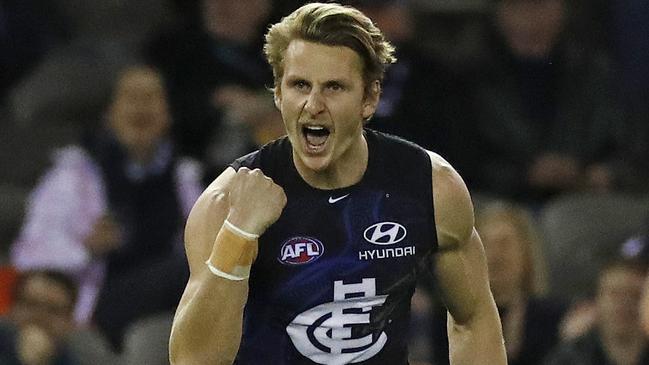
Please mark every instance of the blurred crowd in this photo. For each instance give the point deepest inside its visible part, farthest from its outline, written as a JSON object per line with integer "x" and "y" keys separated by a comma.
{"x": 114, "y": 115}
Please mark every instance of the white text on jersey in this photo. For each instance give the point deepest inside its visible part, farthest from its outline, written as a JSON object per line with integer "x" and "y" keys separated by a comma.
{"x": 385, "y": 253}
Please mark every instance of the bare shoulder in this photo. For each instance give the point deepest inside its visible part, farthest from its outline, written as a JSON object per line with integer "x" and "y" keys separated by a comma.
{"x": 206, "y": 218}
{"x": 453, "y": 207}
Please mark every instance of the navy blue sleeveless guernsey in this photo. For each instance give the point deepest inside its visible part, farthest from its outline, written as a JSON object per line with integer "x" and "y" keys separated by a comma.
{"x": 334, "y": 276}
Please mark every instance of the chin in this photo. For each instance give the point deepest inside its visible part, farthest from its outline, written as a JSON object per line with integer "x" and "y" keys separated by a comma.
{"x": 316, "y": 164}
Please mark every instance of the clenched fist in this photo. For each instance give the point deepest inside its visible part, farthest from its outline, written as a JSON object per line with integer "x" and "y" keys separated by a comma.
{"x": 256, "y": 201}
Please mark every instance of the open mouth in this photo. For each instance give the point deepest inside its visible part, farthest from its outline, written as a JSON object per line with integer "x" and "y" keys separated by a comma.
{"x": 315, "y": 136}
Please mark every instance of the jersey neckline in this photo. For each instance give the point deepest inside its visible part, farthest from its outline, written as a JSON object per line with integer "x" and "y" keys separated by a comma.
{"x": 337, "y": 192}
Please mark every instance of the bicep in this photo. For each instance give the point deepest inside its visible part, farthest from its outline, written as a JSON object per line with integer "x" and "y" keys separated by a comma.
{"x": 461, "y": 272}
{"x": 460, "y": 264}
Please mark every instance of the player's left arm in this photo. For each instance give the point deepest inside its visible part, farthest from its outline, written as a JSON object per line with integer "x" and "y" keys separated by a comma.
{"x": 474, "y": 329}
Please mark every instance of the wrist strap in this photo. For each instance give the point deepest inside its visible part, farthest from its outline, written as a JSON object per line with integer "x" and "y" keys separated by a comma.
{"x": 232, "y": 254}
{"x": 222, "y": 274}
{"x": 239, "y": 231}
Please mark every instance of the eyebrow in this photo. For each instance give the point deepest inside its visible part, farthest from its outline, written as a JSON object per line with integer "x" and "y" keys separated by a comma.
{"x": 341, "y": 82}
{"x": 293, "y": 78}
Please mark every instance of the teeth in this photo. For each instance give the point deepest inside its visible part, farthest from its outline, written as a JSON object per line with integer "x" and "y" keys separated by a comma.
{"x": 315, "y": 128}
{"x": 316, "y": 136}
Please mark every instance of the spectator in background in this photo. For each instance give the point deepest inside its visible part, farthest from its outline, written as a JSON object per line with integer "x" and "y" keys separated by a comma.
{"x": 111, "y": 210}
{"x": 421, "y": 101}
{"x": 36, "y": 330}
{"x": 616, "y": 338}
{"x": 548, "y": 117}
{"x": 218, "y": 78}
{"x": 530, "y": 321}
{"x": 625, "y": 25}
{"x": 71, "y": 81}
{"x": 583, "y": 314}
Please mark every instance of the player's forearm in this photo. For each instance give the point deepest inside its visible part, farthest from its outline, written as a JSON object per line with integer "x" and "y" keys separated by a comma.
{"x": 479, "y": 341}
{"x": 208, "y": 322}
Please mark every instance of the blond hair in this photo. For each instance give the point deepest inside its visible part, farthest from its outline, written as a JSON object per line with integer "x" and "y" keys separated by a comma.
{"x": 334, "y": 25}
{"x": 535, "y": 274}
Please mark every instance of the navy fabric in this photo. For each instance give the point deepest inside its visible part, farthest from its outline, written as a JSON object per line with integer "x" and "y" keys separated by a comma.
{"x": 334, "y": 276}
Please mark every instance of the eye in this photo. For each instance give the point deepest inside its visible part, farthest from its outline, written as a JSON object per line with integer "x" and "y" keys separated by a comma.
{"x": 335, "y": 86}
{"x": 300, "y": 85}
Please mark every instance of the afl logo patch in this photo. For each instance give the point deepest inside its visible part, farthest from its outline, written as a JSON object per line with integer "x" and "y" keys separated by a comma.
{"x": 385, "y": 233}
{"x": 300, "y": 250}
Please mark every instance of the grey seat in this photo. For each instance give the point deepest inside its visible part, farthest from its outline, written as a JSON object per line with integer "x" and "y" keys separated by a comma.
{"x": 581, "y": 231}
{"x": 91, "y": 348}
{"x": 147, "y": 341}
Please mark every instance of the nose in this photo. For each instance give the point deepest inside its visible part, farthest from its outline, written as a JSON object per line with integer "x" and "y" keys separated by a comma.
{"x": 314, "y": 103}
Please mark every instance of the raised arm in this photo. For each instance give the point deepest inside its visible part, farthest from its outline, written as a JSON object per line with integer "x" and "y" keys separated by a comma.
{"x": 474, "y": 329}
{"x": 208, "y": 323}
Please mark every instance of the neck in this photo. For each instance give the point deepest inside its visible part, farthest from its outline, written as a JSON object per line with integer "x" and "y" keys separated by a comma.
{"x": 347, "y": 170}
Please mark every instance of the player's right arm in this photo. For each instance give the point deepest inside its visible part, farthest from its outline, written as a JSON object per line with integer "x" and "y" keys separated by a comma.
{"x": 208, "y": 322}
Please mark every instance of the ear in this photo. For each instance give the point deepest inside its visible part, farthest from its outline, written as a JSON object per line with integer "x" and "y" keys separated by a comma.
{"x": 277, "y": 97}
{"x": 371, "y": 99}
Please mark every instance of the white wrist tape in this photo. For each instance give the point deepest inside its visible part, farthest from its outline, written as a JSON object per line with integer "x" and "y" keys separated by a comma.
{"x": 222, "y": 274}
{"x": 240, "y": 232}
{"x": 233, "y": 253}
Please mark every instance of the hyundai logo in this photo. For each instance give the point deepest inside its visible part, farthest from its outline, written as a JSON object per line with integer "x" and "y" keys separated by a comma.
{"x": 385, "y": 233}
